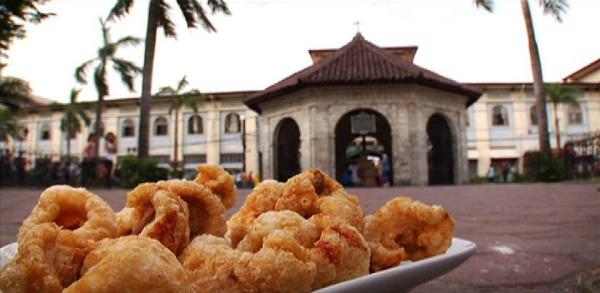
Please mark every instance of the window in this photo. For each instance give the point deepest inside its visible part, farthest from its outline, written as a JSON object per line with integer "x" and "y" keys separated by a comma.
{"x": 533, "y": 115}
{"x": 195, "y": 159}
{"x": 23, "y": 134}
{"x": 499, "y": 116}
{"x": 160, "y": 126}
{"x": 232, "y": 123}
{"x": 45, "y": 132}
{"x": 195, "y": 125}
{"x": 231, "y": 158}
{"x": 128, "y": 128}
{"x": 574, "y": 115}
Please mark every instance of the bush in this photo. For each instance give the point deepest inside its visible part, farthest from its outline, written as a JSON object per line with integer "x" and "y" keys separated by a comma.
{"x": 543, "y": 166}
{"x": 134, "y": 170}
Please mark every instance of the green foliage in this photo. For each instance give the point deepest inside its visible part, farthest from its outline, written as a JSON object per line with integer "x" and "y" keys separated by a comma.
{"x": 543, "y": 166}
{"x": 14, "y": 92}
{"x": 14, "y": 14}
{"x": 9, "y": 126}
{"x": 559, "y": 94}
{"x": 134, "y": 170}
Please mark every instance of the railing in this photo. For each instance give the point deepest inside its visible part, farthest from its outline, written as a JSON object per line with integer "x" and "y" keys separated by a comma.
{"x": 582, "y": 155}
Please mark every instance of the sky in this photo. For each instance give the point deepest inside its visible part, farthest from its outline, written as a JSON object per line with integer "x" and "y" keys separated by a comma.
{"x": 264, "y": 41}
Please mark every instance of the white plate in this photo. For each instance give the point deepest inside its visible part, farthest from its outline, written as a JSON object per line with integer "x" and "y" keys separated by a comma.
{"x": 401, "y": 278}
{"x": 410, "y": 274}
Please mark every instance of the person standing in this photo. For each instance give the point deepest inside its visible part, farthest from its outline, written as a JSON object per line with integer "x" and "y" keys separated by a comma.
{"x": 20, "y": 163}
{"x": 108, "y": 157}
{"x": 89, "y": 163}
{"x": 505, "y": 171}
{"x": 491, "y": 174}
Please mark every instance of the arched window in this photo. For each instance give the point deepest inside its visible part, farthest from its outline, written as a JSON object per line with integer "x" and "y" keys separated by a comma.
{"x": 128, "y": 128}
{"x": 499, "y": 116}
{"x": 232, "y": 123}
{"x": 45, "y": 132}
{"x": 160, "y": 126}
{"x": 533, "y": 115}
{"x": 195, "y": 125}
{"x": 575, "y": 115}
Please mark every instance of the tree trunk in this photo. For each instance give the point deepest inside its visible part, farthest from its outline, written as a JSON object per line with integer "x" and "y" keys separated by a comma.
{"x": 145, "y": 101}
{"x": 176, "y": 141}
{"x": 556, "y": 125}
{"x": 68, "y": 144}
{"x": 98, "y": 124}
{"x": 538, "y": 80}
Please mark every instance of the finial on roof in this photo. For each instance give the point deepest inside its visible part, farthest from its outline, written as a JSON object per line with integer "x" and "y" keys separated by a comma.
{"x": 358, "y": 36}
{"x": 357, "y": 24}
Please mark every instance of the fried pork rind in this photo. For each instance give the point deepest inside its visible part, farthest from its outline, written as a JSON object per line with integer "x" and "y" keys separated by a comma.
{"x": 219, "y": 181}
{"x": 282, "y": 252}
{"x": 207, "y": 212}
{"x": 77, "y": 211}
{"x": 131, "y": 264}
{"x": 406, "y": 229}
{"x": 312, "y": 194}
{"x": 47, "y": 260}
{"x": 156, "y": 213}
{"x": 261, "y": 200}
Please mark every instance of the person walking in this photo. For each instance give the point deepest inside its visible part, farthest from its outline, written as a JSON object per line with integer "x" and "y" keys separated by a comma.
{"x": 89, "y": 163}
{"x": 505, "y": 171}
{"x": 108, "y": 157}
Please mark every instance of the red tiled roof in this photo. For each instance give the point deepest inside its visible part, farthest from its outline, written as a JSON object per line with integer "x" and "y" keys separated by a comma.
{"x": 360, "y": 62}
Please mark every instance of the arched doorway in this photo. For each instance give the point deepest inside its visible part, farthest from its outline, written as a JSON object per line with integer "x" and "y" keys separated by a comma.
{"x": 286, "y": 149}
{"x": 440, "y": 156}
{"x": 351, "y": 146}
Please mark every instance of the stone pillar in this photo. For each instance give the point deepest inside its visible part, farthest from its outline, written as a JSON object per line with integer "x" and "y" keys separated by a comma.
{"x": 213, "y": 134}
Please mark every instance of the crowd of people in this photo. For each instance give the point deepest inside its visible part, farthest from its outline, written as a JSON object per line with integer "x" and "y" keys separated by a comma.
{"x": 95, "y": 168}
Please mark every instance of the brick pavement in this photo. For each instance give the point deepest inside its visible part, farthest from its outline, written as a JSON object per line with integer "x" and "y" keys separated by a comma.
{"x": 531, "y": 238}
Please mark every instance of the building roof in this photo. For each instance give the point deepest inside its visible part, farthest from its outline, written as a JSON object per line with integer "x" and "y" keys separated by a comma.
{"x": 360, "y": 62}
{"x": 582, "y": 72}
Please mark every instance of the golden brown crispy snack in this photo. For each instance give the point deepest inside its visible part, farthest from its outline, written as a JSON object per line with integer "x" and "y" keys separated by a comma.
{"x": 47, "y": 260}
{"x": 219, "y": 181}
{"x": 282, "y": 252}
{"x": 76, "y": 210}
{"x": 261, "y": 200}
{"x": 207, "y": 213}
{"x": 131, "y": 264}
{"x": 157, "y": 213}
{"x": 311, "y": 194}
{"x": 406, "y": 229}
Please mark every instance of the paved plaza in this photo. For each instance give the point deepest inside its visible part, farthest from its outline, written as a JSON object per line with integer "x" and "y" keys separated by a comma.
{"x": 530, "y": 238}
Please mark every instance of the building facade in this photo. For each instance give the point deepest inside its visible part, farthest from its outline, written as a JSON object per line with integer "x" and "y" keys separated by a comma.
{"x": 433, "y": 130}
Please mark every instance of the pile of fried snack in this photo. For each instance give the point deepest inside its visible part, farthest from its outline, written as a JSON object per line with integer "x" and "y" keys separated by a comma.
{"x": 172, "y": 236}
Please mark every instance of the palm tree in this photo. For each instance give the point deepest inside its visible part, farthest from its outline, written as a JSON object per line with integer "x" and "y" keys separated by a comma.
{"x": 560, "y": 95}
{"x": 73, "y": 114}
{"x": 556, "y": 8}
{"x": 14, "y": 92}
{"x": 158, "y": 16}
{"x": 179, "y": 99}
{"x": 107, "y": 56}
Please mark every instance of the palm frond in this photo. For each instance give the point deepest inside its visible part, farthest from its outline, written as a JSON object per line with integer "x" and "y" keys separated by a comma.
{"x": 100, "y": 80}
{"x": 121, "y": 8}
{"x": 559, "y": 94}
{"x": 182, "y": 83}
{"x": 127, "y": 41}
{"x": 164, "y": 20}
{"x": 190, "y": 102}
{"x": 188, "y": 11}
{"x": 166, "y": 90}
{"x": 127, "y": 70}
{"x": 105, "y": 32}
{"x": 80, "y": 72}
{"x": 486, "y": 4}
{"x": 202, "y": 17}
{"x": 221, "y": 6}
{"x": 74, "y": 95}
{"x": 555, "y": 7}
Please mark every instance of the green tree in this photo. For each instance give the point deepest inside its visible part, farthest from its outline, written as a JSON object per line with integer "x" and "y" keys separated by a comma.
{"x": 14, "y": 14}
{"x": 158, "y": 16}
{"x": 556, "y": 8}
{"x": 9, "y": 126}
{"x": 559, "y": 94}
{"x": 107, "y": 55}
{"x": 179, "y": 99}
{"x": 74, "y": 114}
{"x": 14, "y": 92}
